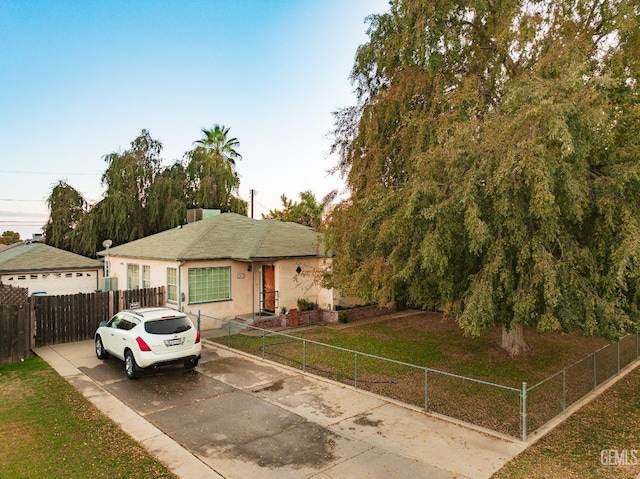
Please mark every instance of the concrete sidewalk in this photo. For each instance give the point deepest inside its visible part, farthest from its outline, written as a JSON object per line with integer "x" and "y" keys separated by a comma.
{"x": 238, "y": 417}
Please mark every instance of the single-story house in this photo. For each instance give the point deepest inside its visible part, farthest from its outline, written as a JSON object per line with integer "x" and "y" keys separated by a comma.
{"x": 226, "y": 266}
{"x": 44, "y": 269}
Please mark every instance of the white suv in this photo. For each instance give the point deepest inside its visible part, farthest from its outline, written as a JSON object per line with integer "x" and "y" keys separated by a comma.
{"x": 149, "y": 338}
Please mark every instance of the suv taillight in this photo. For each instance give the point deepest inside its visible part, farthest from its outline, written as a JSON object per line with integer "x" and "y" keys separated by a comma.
{"x": 197, "y": 337}
{"x": 142, "y": 345}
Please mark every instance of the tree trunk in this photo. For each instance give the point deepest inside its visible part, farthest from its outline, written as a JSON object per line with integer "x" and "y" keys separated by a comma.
{"x": 513, "y": 340}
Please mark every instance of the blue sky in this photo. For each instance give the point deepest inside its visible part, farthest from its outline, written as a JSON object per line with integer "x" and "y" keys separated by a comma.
{"x": 80, "y": 79}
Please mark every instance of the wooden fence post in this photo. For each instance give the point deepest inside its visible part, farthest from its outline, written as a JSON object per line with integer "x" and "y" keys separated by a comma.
{"x": 111, "y": 299}
{"x": 32, "y": 324}
{"x": 161, "y": 296}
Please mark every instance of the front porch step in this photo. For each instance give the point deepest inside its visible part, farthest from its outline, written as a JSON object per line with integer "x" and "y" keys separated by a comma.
{"x": 241, "y": 321}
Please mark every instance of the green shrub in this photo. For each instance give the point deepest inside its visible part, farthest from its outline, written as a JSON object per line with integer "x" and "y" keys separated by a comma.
{"x": 305, "y": 305}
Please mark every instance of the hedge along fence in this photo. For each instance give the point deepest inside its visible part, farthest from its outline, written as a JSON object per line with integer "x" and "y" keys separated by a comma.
{"x": 503, "y": 409}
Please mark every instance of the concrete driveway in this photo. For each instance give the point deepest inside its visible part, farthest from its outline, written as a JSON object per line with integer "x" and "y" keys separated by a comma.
{"x": 239, "y": 418}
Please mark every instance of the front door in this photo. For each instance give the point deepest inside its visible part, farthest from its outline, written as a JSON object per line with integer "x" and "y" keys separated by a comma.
{"x": 269, "y": 287}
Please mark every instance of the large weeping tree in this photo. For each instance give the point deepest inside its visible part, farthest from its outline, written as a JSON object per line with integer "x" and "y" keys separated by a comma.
{"x": 68, "y": 207}
{"x": 128, "y": 180}
{"x": 168, "y": 199}
{"x": 144, "y": 198}
{"x": 121, "y": 215}
{"x": 493, "y": 164}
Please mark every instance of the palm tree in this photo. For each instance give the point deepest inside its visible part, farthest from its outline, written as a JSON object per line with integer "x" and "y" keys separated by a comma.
{"x": 211, "y": 170}
{"x": 217, "y": 142}
{"x": 308, "y": 211}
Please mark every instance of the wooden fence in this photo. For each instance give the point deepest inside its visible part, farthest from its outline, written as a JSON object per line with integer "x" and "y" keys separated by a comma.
{"x": 46, "y": 320}
{"x": 15, "y": 341}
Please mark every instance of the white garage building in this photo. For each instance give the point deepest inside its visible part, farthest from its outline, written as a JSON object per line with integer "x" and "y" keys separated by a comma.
{"x": 44, "y": 269}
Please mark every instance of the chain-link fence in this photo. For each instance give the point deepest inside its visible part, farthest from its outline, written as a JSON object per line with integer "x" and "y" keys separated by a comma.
{"x": 503, "y": 409}
{"x": 555, "y": 394}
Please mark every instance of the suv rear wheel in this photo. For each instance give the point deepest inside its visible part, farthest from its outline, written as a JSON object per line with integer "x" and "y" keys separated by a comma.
{"x": 130, "y": 366}
{"x": 190, "y": 363}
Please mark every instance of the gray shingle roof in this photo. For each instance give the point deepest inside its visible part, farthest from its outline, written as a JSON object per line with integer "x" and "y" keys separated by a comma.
{"x": 226, "y": 236}
{"x": 42, "y": 257}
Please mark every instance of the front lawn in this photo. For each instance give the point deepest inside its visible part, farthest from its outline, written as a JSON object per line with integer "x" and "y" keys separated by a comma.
{"x": 431, "y": 340}
{"x": 50, "y": 430}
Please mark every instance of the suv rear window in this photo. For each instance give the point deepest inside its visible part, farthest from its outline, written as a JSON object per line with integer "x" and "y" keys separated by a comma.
{"x": 168, "y": 325}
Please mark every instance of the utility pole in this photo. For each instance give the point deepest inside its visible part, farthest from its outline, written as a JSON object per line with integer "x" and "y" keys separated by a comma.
{"x": 252, "y": 192}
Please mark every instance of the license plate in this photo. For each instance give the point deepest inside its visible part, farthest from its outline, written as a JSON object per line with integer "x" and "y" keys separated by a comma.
{"x": 173, "y": 342}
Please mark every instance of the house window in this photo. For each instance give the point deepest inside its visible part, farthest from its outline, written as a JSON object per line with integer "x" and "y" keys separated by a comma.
{"x": 172, "y": 285}
{"x": 146, "y": 276}
{"x": 209, "y": 284}
{"x": 133, "y": 276}
{"x": 34, "y": 276}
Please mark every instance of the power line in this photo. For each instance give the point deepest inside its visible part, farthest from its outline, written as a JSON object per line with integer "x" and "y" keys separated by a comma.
{"x": 25, "y": 223}
{"x": 55, "y": 173}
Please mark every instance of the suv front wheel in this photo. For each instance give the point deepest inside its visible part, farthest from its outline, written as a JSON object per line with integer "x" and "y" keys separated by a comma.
{"x": 100, "y": 351}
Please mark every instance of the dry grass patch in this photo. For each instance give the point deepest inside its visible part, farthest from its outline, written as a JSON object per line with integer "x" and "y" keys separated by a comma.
{"x": 610, "y": 423}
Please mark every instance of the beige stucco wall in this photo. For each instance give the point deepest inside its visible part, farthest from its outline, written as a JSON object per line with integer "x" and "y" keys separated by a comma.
{"x": 158, "y": 270}
{"x": 339, "y": 298}
{"x": 292, "y": 285}
{"x": 246, "y": 285}
{"x": 241, "y": 291}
